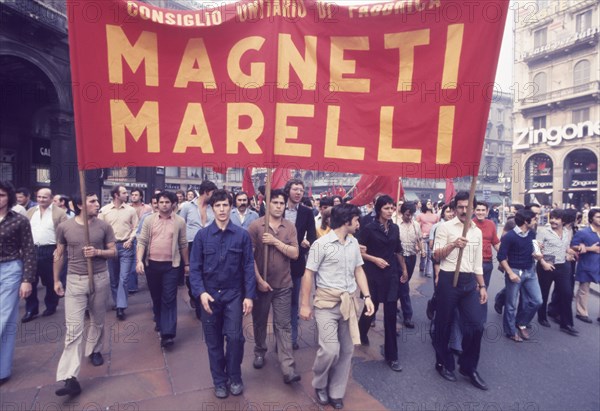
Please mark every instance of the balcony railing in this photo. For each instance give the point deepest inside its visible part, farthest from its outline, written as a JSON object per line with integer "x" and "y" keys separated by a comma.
{"x": 581, "y": 90}
{"x": 581, "y": 40}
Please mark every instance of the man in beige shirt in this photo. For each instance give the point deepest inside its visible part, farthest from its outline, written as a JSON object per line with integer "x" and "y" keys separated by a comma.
{"x": 469, "y": 295}
{"x": 123, "y": 219}
{"x": 275, "y": 286}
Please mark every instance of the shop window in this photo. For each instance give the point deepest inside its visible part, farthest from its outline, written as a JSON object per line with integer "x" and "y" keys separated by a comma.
{"x": 540, "y": 83}
{"x": 583, "y": 21}
{"x": 581, "y": 115}
{"x": 539, "y": 122}
{"x": 540, "y": 37}
{"x": 171, "y": 171}
{"x": 581, "y": 73}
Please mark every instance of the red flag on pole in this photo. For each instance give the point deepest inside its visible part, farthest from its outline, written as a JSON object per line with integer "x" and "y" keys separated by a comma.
{"x": 280, "y": 177}
{"x": 369, "y": 186}
{"x": 450, "y": 190}
{"x": 247, "y": 183}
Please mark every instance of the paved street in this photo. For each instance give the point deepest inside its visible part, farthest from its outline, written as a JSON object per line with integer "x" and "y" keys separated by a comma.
{"x": 552, "y": 372}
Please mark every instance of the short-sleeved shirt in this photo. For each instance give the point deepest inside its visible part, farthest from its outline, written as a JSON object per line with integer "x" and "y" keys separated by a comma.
{"x": 279, "y": 273}
{"x": 123, "y": 220}
{"x": 489, "y": 235}
{"x": 71, "y": 234}
{"x": 588, "y": 266}
{"x": 335, "y": 262}
{"x": 552, "y": 244}
{"x": 472, "y": 259}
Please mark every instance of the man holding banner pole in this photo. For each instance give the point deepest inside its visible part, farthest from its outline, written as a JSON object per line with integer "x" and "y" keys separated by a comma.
{"x": 469, "y": 294}
{"x": 277, "y": 290}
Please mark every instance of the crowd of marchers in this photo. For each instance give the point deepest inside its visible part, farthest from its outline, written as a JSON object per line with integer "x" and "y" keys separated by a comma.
{"x": 320, "y": 259}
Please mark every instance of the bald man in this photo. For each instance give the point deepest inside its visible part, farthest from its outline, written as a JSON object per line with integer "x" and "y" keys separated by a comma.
{"x": 44, "y": 219}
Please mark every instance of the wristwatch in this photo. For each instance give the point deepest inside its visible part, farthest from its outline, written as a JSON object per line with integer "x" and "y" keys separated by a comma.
{"x": 366, "y": 296}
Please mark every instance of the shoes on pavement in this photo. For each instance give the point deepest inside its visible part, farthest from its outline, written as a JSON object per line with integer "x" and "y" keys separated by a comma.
{"x": 167, "y": 342}
{"x": 430, "y": 309}
{"x": 259, "y": 362}
{"x": 544, "y": 323}
{"x": 29, "y": 316}
{"x": 598, "y": 319}
{"x": 290, "y": 378}
{"x": 569, "y": 329}
{"x": 48, "y": 312}
{"x": 71, "y": 388}
{"x": 409, "y": 324}
{"x": 364, "y": 341}
{"x": 132, "y": 292}
{"x": 445, "y": 373}
{"x": 516, "y": 338}
{"x": 373, "y": 324}
{"x": 336, "y": 403}
{"x": 524, "y": 332}
{"x": 120, "y": 314}
{"x": 583, "y": 318}
{"x": 96, "y": 359}
{"x": 236, "y": 388}
{"x": 395, "y": 365}
{"x": 475, "y": 379}
{"x": 322, "y": 397}
{"x": 295, "y": 346}
{"x": 221, "y": 392}
{"x": 4, "y": 380}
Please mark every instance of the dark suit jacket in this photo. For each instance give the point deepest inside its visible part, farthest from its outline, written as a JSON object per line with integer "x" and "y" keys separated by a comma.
{"x": 305, "y": 226}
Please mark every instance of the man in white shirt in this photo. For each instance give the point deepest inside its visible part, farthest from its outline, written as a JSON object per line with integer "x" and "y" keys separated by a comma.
{"x": 470, "y": 294}
{"x": 44, "y": 219}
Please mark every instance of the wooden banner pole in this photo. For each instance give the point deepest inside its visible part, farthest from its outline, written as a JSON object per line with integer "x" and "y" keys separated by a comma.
{"x": 267, "y": 217}
{"x": 86, "y": 228}
{"x": 466, "y": 226}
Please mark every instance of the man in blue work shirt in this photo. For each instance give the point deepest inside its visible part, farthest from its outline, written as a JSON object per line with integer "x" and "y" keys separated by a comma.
{"x": 222, "y": 281}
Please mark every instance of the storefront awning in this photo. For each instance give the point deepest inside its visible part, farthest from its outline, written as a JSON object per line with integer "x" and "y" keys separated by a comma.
{"x": 572, "y": 190}
{"x": 540, "y": 191}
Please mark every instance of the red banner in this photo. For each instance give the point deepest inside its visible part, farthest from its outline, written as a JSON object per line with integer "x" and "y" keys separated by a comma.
{"x": 399, "y": 88}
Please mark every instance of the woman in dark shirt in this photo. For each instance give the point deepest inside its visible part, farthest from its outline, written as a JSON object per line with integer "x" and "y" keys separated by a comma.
{"x": 383, "y": 261}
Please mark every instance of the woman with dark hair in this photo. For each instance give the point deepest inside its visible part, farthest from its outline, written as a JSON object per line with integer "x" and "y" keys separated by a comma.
{"x": 383, "y": 261}
{"x": 427, "y": 219}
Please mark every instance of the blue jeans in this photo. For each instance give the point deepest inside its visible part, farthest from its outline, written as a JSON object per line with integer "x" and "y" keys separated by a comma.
{"x": 132, "y": 282}
{"x": 295, "y": 306}
{"x": 162, "y": 283}
{"x": 426, "y": 264}
{"x": 531, "y": 300}
{"x": 404, "y": 289}
{"x": 224, "y": 324}
{"x": 119, "y": 269}
{"x": 11, "y": 273}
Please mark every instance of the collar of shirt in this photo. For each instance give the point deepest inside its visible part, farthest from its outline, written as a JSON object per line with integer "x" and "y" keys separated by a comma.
{"x": 214, "y": 228}
{"x": 332, "y": 237}
{"x": 112, "y": 205}
{"x": 520, "y": 233}
{"x": 293, "y": 208}
{"x": 165, "y": 218}
{"x": 456, "y": 221}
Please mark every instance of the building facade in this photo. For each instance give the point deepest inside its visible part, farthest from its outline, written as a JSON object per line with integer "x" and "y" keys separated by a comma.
{"x": 557, "y": 111}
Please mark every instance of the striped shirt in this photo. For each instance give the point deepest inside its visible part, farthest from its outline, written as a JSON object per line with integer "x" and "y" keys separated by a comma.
{"x": 552, "y": 244}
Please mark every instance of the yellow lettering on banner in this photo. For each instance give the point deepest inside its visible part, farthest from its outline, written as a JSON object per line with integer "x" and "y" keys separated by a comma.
{"x": 193, "y": 131}
{"x": 454, "y": 42}
{"x": 406, "y": 43}
{"x": 289, "y": 57}
{"x": 445, "y": 135}
{"x": 338, "y": 67}
{"x": 256, "y": 78}
{"x": 118, "y": 48}
{"x": 386, "y": 150}
{"x": 332, "y": 149}
{"x": 276, "y": 8}
{"x": 146, "y": 119}
{"x": 284, "y": 132}
{"x": 247, "y": 137}
{"x": 195, "y": 66}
